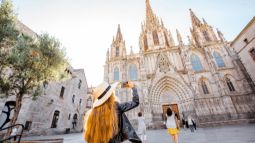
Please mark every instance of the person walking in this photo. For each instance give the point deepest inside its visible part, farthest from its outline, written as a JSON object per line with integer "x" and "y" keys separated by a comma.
{"x": 172, "y": 125}
{"x": 141, "y": 128}
{"x": 191, "y": 123}
{"x": 184, "y": 124}
{"x": 106, "y": 122}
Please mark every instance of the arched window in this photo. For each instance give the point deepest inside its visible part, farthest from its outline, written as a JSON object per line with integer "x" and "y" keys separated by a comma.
{"x": 145, "y": 42}
{"x": 204, "y": 87}
{"x": 116, "y": 74}
{"x": 132, "y": 72}
{"x": 55, "y": 119}
{"x": 230, "y": 85}
{"x": 196, "y": 63}
{"x": 117, "y": 52}
{"x": 218, "y": 59}
{"x": 155, "y": 38}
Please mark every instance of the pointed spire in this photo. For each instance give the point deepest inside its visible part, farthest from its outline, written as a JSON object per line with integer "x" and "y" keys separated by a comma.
{"x": 131, "y": 50}
{"x": 107, "y": 55}
{"x": 179, "y": 37}
{"x": 220, "y": 35}
{"x": 119, "y": 35}
{"x": 151, "y": 18}
{"x": 195, "y": 21}
{"x": 162, "y": 23}
{"x": 204, "y": 21}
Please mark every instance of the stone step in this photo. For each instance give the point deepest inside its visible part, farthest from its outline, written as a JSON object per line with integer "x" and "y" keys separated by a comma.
{"x": 228, "y": 122}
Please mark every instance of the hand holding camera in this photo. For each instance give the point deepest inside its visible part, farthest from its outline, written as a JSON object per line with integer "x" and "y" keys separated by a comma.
{"x": 127, "y": 84}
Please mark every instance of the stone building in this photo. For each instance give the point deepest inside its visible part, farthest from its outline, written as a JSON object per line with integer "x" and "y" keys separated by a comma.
{"x": 201, "y": 78}
{"x": 244, "y": 45}
{"x": 59, "y": 109}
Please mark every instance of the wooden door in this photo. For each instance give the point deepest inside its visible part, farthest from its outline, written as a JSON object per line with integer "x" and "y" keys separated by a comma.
{"x": 174, "y": 108}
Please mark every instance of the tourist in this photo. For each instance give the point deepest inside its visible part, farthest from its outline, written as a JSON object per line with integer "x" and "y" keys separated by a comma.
{"x": 106, "y": 121}
{"x": 172, "y": 125}
{"x": 14, "y": 133}
{"x": 141, "y": 127}
{"x": 191, "y": 123}
{"x": 184, "y": 123}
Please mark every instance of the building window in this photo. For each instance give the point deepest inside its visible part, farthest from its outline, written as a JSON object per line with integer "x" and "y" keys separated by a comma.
{"x": 28, "y": 125}
{"x": 155, "y": 38}
{"x": 206, "y": 36}
{"x": 204, "y": 87}
{"x": 218, "y": 59}
{"x": 62, "y": 91}
{"x": 73, "y": 98}
{"x": 117, "y": 52}
{"x": 55, "y": 119}
{"x": 246, "y": 41}
{"x": 79, "y": 85}
{"x": 116, "y": 74}
{"x": 132, "y": 72}
{"x": 252, "y": 53}
{"x": 145, "y": 42}
{"x": 230, "y": 85}
{"x": 69, "y": 116}
{"x": 196, "y": 63}
{"x": 167, "y": 43}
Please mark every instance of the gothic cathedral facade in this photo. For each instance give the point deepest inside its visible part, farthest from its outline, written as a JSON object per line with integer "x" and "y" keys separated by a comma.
{"x": 201, "y": 78}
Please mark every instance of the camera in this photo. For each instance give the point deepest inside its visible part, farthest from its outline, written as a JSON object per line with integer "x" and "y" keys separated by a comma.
{"x": 125, "y": 84}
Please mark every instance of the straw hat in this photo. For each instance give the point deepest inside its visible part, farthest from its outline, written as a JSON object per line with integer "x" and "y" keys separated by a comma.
{"x": 102, "y": 92}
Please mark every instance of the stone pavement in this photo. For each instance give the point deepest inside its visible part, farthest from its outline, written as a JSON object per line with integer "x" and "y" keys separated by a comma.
{"x": 225, "y": 134}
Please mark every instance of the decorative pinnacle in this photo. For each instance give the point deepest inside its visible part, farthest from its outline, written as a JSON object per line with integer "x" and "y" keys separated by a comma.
{"x": 195, "y": 21}
{"x": 179, "y": 37}
{"x": 119, "y": 35}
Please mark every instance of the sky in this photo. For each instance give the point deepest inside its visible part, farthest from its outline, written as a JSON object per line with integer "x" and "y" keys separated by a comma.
{"x": 86, "y": 27}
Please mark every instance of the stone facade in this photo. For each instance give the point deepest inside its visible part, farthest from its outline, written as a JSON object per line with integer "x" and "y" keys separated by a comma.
{"x": 244, "y": 45}
{"x": 67, "y": 100}
{"x": 59, "y": 109}
{"x": 203, "y": 77}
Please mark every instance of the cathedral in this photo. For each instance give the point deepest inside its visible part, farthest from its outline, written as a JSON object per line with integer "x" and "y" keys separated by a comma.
{"x": 202, "y": 79}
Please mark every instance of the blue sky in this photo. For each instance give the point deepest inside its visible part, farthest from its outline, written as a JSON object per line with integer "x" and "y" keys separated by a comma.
{"x": 86, "y": 27}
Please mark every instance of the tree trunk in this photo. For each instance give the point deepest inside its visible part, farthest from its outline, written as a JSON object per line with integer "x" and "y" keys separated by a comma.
{"x": 16, "y": 114}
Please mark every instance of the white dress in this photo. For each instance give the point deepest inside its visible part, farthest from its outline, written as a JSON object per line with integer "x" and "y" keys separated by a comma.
{"x": 141, "y": 132}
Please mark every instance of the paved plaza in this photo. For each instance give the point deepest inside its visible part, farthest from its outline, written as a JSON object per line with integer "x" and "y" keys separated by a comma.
{"x": 226, "y": 134}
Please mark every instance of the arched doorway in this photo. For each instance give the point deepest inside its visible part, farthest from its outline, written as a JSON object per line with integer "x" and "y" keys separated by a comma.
{"x": 170, "y": 91}
{"x": 74, "y": 122}
{"x": 55, "y": 119}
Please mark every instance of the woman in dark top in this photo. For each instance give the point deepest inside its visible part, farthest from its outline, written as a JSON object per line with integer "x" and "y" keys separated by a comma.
{"x": 106, "y": 121}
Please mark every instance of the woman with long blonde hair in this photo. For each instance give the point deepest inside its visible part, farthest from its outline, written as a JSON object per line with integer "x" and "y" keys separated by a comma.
{"x": 106, "y": 121}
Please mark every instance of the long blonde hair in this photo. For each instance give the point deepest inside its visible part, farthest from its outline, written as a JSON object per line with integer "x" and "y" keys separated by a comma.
{"x": 101, "y": 123}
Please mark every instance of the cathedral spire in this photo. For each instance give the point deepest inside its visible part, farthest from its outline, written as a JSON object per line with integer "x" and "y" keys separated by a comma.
{"x": 179, "y": 37}
{"x": 204, "y": 21}
{"x": 119, "y": 35}
{"x": 151, "y": 18}
{"x": 220, "y": 35}
{"x": 195, "y": 21}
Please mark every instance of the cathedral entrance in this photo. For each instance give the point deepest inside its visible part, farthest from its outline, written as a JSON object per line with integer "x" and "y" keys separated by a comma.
{"x": 170, "y": 91}
{"x": 174, "y": 108}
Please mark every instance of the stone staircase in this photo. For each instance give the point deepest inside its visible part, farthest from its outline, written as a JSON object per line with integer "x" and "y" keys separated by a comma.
{"x": 228, "y": 122}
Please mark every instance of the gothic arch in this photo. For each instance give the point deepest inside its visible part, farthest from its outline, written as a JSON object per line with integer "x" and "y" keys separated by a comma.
{"x": 228, "y": 80}
{"x": 170, "y": 83}
{"x": 204, "y": 85}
